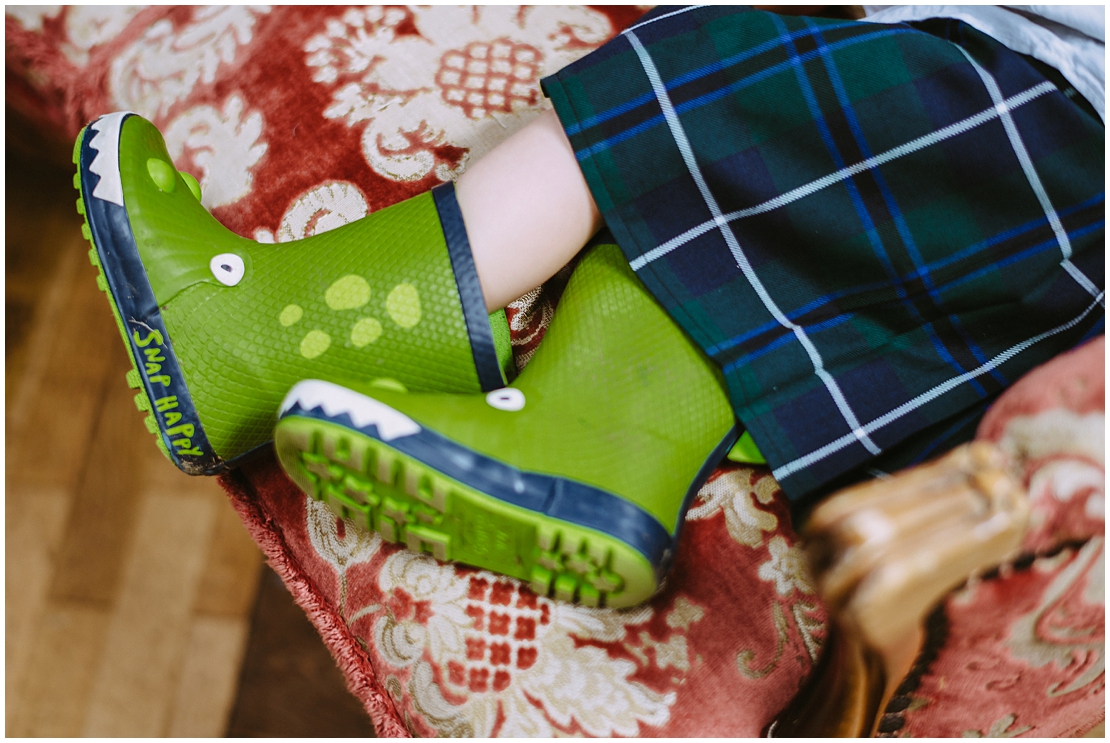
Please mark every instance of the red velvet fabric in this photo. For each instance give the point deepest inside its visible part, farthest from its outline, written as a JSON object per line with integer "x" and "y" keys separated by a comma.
{"x": 299, "y": 119}
{"x": 1024, "y": 650}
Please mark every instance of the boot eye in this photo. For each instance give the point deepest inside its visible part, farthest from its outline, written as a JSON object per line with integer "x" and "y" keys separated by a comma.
{"x": 508, "y": 398}
{"x": 227, "y": 268}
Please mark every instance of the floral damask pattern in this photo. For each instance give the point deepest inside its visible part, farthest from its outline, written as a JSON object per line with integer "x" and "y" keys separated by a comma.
{"x": 468, "y": 652}
{"x": 1066, "y": 626}
{"x": 164, "y": 65}
{"x": 488, "y": 656}
{"x": 325, "y": 207}
{"x": 223, "y": 145}
{"x": 742, "y": 495}
{"x": 437, "y": 88}
{"x": 1029, "y": 644}
{"x": 1065, "y": 473}
{"x": 1028, "y": 647}
{"x": 90, "y": 25}
{"x": 298, "y": 119}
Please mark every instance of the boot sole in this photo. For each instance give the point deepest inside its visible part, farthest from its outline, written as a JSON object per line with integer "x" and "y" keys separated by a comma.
{"x": 107, "y": 228}
{"x": 367, "y": 480}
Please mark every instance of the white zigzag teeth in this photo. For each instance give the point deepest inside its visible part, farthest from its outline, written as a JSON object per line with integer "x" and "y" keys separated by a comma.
{"x": 364, "y": 411}
{"x": 106, "y": 162}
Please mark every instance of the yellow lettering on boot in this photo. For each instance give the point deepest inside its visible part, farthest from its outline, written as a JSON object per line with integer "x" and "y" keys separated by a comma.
{"x": 185, "y": 429}
{"x": 154, "y": 335}
{"x": 166, "y": 403}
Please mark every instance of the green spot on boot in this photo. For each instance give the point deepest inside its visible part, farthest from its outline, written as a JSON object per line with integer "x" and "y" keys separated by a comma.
{"x": 237, "y": 364}
{"x": 315, "y": 343}
{"x": 388, "y": 383}
{"x": 403, "y": 305}
{"x": 162, "y": 173}
{"x": 291, "y": 314}
{"x": 618, "y": 400}
{"x": 366, "y": 331}
{"x": 191, "y": 182}
{"x": 349, "y": 293}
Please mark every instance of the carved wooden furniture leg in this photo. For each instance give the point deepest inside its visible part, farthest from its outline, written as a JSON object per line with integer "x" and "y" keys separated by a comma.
{"x": 883, "y": 553}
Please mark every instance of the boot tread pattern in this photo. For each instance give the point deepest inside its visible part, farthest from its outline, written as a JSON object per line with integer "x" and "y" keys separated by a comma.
{"x": 142, "y": 402}
{"x": 409, "y": 503}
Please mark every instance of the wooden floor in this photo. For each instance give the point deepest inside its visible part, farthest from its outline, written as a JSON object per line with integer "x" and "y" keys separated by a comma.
{"x": 290, "y": 685}
{"x": 130, "y": 587}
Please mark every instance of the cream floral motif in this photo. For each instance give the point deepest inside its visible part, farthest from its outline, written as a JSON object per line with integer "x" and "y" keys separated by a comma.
{"x": 340, "y": 543}
{"x": 787, "y": 568}
{"x": 90, "y": 25}
{"x": 1067, "y": 479}
{"x": 528, "y": 306}
{"x": 733, "y": 494}
{"x": 811, "y": 626}
{"x": 1001, "y": 728}
{"x": 436, "y": 87}
{"x": 672, "y": 652}
{"x": 1066, "y": 627}
{"x": 502, "y": 652}
{"x": 225, "y": 145}
{"x": 162, "y": 67}
{"x": 327, "y": 206}
{"x": 1056, "y": 431}
{"x": 32, "y": 16}
{"x": 684, "y": 614}
{"x": 1079, "y": 443}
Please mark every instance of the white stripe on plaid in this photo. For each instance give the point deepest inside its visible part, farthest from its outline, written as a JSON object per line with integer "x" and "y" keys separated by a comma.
{"x": 834, "y": 446}
{"x": 1031, "y": 175}
{"x": 679, "y": 135}
{"x": 801, "y": 192}
{"x": 649, "y": 21}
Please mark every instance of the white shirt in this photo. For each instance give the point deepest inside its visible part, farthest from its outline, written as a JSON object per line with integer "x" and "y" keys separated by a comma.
{"x": 1071, "y": 38}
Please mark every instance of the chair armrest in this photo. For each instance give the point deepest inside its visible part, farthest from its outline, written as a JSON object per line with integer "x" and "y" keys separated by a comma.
{"x": 883, "y": 553}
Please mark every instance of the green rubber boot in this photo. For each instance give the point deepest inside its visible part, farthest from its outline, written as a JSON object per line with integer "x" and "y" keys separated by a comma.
{"x": 576, "y": 478}
{"x": 219, "y": 327}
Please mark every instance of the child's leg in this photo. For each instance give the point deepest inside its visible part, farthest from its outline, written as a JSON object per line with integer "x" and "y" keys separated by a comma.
{"x": 527, "y": 210}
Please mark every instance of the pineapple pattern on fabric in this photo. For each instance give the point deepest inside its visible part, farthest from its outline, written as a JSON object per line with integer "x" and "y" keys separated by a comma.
{"x": 437, "y": 87}
{"x": 466, "y": 652}
{"x": 508, "y": 662}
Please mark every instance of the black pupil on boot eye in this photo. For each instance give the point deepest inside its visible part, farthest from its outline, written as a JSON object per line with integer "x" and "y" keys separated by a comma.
{"x": 225, "y": 267}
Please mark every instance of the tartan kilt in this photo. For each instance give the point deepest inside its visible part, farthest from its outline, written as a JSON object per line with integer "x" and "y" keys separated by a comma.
{"x": 871, "y": 229}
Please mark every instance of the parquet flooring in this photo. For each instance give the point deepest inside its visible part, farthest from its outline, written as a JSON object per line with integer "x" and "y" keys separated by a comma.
{"x": 135, "y": 601}
{"x": 129, "y": 586}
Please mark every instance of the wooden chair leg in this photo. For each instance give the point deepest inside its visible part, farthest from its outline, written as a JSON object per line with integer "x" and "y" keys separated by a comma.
{"x": 883, "y": 553}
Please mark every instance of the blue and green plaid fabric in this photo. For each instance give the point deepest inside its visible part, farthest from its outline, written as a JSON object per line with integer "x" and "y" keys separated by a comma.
{"x": 872, "y": 229}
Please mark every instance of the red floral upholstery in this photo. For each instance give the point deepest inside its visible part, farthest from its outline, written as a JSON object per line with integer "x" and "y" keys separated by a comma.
{"x": 299, "y": 119}
{"x": 1025, "y": 648}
